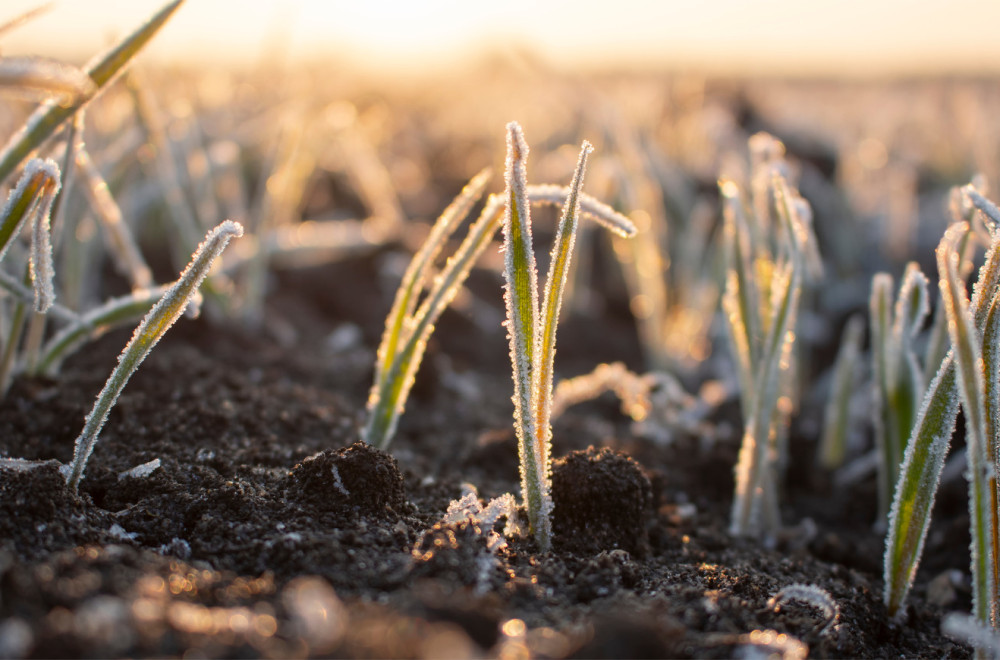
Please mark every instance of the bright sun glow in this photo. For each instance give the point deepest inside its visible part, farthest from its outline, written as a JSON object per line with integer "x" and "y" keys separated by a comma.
{"x": 729, "y": 35}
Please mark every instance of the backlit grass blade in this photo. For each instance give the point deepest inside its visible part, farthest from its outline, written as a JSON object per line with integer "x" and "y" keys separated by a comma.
{"x": 21, "y": 19}
{"x": 117, "y": 236}
{"x": 521, "y": 301}
{"x": 155, "y": 324}
{"x": 386, "y": 402}
{"x": 968, "y": 359}
{"x": 416, "y": 273}
{"x": 41, "y": 79}
{"x": 909, "y": 517}
{"x": 101, "y": 70}
{"x": 33, "y": 195}
{"x": 880, "y": 320}
{"x": 753, "y": 459}
{"x": 562, "y": 253}
{"x": 95, "y": 323}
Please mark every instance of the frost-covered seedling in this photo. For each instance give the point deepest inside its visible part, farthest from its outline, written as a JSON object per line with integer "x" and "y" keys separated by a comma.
{"x": 769, "y": 254}
{"x": 166, "y": 311}
{"x": 969, "y": 630}
{"x": 968, "y": 375}
{"x": 420, "y": 302}
{"x": 898, "y": 378}
{"x": 532, "y": 329}
{"x": 31, "y": 203}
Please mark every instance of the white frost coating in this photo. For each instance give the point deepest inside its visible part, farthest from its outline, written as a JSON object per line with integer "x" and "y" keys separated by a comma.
{"x": 521, "y": 302}
{"x": 967, "y": 629}
{"x": 20, "y": 464}
{"x": 159, "y": 319}
{"x": 338, "y": 483}
{"x": 43, "y": 175}
{"x": 810, "y": 594}
{"x": 986, "y": 206}
{"x": 140, "y": 471}
{"x": 91, "y": 325}
{"x": 966, "y": 342}
{"x": 597, "y": 211}
{"x": 118, "y": 532}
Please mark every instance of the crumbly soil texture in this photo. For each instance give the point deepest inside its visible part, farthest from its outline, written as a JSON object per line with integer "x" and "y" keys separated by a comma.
{"x": 269, "y": 530}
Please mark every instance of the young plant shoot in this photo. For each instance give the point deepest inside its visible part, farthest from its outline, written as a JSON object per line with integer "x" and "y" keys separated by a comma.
{"x": 767, "y": 261}
{"x": 155, "y": 324}
{"x": 532, "y": 330}
{"x": 968, "y": 375}
{"x": 897, "y": 374}
{"x": 411, "y": 320}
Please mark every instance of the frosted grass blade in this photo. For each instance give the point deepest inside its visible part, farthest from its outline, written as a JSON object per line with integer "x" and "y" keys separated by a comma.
{"x": 41, "y": 79}
{"x": 118, "y": 238}
{"x": 153, "y": 326}
{"x": 542, "y": 374}
{"x": 101, "y": 70}
{"x": 31, "y": 198}
{"x": 753, "y": 460}
{"x": 521, "y": 302}
{"x": 95, "y": 323}
{"x": 910, "y": 515}
{"x": 966, "y": 342}
{"x": 416, "y": 273}
{"x": 386, "y": 403}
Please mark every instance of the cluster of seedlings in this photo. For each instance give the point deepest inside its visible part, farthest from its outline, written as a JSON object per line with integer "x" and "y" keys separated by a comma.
{"x": 769, "y": 256}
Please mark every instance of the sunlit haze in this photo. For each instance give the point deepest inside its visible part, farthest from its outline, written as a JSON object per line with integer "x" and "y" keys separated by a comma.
{"x": 845, "y": 37}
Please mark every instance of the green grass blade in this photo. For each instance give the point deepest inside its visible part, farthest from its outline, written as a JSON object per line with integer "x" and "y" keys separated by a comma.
{"x": 753, "y": 460}
{"x": 102, "y": 70}
{"x": 562, "y": 254}
{"x": 920, "y": 473}
{"x": 416, "y": 273}
{"x": 387, "y": 403}
{"x": 153, "y": 326}
{"x": 95, "y": 323}
{"x": 910, "y": 515}
{"x": 33, "y": 195}
{"x": 880, "y": 319}
{"x": 966, "y": 342}
{"x": 521, "y": 301}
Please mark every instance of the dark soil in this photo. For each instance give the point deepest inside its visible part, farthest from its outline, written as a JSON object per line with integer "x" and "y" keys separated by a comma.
{"x": 269, "y": 531}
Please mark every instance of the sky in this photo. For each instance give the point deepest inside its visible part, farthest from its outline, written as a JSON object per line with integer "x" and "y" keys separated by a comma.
{"x": 826, "y": 37}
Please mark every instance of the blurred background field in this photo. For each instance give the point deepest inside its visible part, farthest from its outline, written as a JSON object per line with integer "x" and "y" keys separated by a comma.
{"x": 377, "y": 113}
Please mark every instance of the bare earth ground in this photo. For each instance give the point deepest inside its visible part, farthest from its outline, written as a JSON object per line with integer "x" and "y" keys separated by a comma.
{"x": 238, "y": 546}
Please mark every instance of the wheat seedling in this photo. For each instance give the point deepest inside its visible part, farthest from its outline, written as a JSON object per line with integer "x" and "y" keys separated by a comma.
{"x": 898, "y": 379}
{"x": 973, "y": 328}
{"x": 532, "y": 329}
{"x": 767, "y": 260}
{"x": 155, "y": 324}
{"x": 411, "y": 320}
